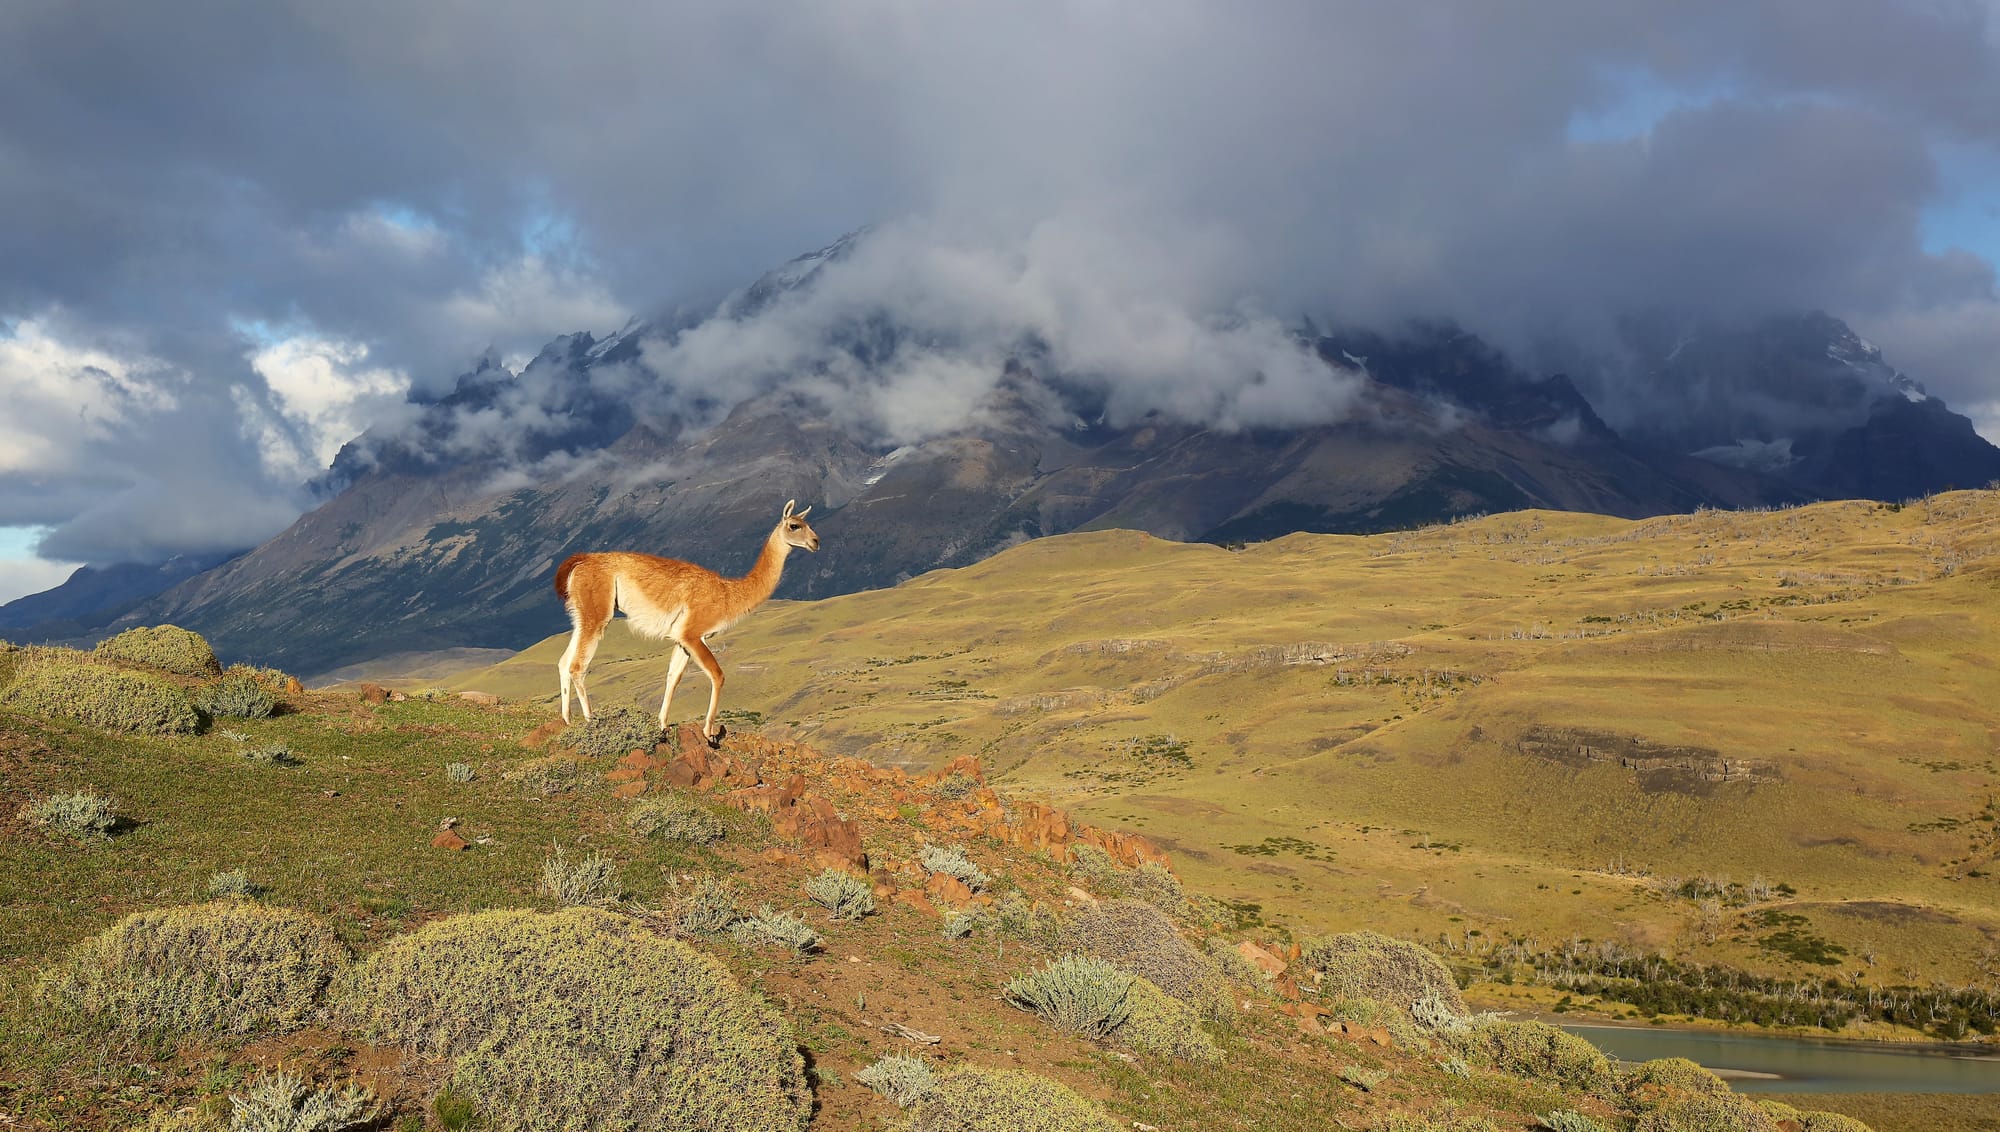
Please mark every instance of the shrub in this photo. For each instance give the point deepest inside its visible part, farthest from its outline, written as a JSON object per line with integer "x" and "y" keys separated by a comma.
{"x": 237, "y": 695}
{"x": 1811, "y": 1121}
{"x": 1540, "y": 1051}
{"x": 959, "y": 925}
{"x": 707, "y": 907}
{"x": 1093, "y": 865}
{"x": 54, "y": 685}
{"x": 902, "y": 1080}
{"x": 1163, "y": 1025}
{"x": 460, "y": 773}
{"x": 1079, "y": 993}
{"x": 1434, "y": 1014}
{"x": 769, "y": 928}
{"x": 200, "y": 970}
{"x": 1015, "y": 916}
{"x": 547, "y": 777}
{"x": 582, "y": 1019}
{"x": 612, "y": 733}
{"x": 1702, "y": 1112}
{"x": 1006, "y": 1100}
{"x": 1649, "y": 1079}
{"x": 283, "y": 1103}
{"x": 1232, "y": 963}
{"x": 169, "y": 648}
{"x": 955, "y": 785}
{"x": 1139, "y": 938}
{"x": 233, "y": 883}
{"x": 80, "y": 815}
{"x": 1450, "y": 1122}
{"x": 1158, "y": 886}
{"x": 183, "y": 1120}
{"x": 1393, "y": 971}
{"x": 951, "y": 861}
{"x": 570, "y": 881}
{"x": 271, "y": 754}
{"x": 455, "y": 1111}
{"x": 1363, "y": 1078}
{"x": 674, "y": 819}
{"x": 841, "y": 894}
{"x": 1569, "y": 1120}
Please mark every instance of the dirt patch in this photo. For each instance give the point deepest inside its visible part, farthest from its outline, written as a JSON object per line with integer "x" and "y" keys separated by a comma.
{"x": 1658, "y": 768}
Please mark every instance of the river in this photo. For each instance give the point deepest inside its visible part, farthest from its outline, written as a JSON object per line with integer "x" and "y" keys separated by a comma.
{"x": 1756, "y": 1063}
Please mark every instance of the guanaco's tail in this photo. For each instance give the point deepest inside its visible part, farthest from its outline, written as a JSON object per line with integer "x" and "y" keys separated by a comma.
{"x": 562, "y": 575}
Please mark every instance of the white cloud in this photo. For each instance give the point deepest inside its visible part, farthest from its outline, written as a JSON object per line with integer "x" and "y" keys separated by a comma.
{"x": 61, "y": 395}
{"x": 325, "y": 392}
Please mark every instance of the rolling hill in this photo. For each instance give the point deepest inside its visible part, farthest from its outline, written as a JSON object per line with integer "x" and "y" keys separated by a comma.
{"x": 1767, "y": 739}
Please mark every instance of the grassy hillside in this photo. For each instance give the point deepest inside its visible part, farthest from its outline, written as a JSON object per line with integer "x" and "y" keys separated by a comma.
{"x": 1769, "y": 740}
{"x": 368, "y": 898}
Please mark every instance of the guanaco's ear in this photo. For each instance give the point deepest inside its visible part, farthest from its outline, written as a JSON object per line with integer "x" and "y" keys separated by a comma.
{"x": 789, "y": 504}
{"x": 803, "y": 513}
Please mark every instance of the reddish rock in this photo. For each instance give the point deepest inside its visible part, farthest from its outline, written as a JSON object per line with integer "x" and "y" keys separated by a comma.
{"x": 486, "y": 699}
{"x": 1265, "y": 961}
{"x": 777, "y": 856}
{"x": 680, "y": 774}
{"x": 948, "y": 890}
{"x": 374, "y": 694}
{"x": 450, "y": 840}
{"x": 538, "y": 738}
{"x": 1310, "y": 1025}
{"x": 630, "y": 789}
{"x": 1374, "y": 1035}
{"x": 638, "y": 760}
{"x": 623, "y": 774}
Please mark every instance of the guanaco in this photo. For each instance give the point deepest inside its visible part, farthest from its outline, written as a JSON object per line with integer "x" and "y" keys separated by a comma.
{"x": 670, "y": 599}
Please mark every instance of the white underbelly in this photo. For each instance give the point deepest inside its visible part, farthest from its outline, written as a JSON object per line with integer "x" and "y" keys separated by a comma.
{"x": 649, "y": 620}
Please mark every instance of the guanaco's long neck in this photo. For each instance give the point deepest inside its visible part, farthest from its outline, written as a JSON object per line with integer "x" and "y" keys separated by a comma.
{"x": 749, "y": 591}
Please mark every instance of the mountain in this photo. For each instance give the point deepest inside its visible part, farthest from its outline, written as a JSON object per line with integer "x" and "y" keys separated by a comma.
{"x": 446, "y": 534}
{"x": 94, "y": 596}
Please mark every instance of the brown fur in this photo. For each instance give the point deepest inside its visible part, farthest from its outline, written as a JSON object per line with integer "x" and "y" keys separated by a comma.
{"x": 667, "y": 598}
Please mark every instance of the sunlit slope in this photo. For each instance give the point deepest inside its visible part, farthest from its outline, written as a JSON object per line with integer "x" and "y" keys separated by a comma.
{"x": 1528, "y": 724}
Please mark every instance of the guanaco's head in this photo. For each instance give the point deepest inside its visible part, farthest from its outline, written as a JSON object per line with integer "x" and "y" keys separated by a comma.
{"x": 794, "y": 530}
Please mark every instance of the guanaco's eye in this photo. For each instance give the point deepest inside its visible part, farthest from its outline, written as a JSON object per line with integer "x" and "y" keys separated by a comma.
{"x": 795, "y": 526}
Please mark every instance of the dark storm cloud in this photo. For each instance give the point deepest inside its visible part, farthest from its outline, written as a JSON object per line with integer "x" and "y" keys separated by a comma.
{"x": 267, "y": 216}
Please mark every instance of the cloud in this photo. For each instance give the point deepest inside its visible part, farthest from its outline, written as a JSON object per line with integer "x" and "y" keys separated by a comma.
{"x": 1148, "y": 190}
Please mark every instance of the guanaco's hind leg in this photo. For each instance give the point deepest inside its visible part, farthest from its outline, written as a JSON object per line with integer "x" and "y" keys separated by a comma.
{"x": 676, "y": 665}
{"x": 698, "y": 648}
{"x": 591, "y": 603}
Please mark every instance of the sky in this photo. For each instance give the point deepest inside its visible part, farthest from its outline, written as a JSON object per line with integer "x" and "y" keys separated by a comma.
{"x": 237, "y": 234}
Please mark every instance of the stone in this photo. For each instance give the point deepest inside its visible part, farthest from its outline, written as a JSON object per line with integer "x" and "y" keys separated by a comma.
{"x": 911, "y": 898}
{"x": 487, "y": 699}
{"x": 449, "y": 839}
{"x": 1081, "y": 897}
{"x": 1265, "y": 961}
{"x": 637, "y": 760}
{"x": 630, "y": 789}
{"x": 374, "y": 694}
{"x": 948, "y": 890}
{"x": 541, "y": 736}
{"x": 622, "y": 775}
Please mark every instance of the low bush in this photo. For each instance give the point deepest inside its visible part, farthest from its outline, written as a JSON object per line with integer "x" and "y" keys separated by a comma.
{"x": 705, "y": 907}
{"x": 844, "y": 895}
{"x": 1158, "y": 886}
{"x": 1005, "y": 1100}
{"x": 83, "y": 815}
{"x": 1569, "y": 1120}
{"x": 546, "y": 777}
{"x": 460, "y": 773}
{"x": 615, "y": 732}
{"x": 237, "y": 695}
{"x": 1649, "y": 1080}
{"x": 951, "y": 861}
{"x": 281, "y": 1102}
{"x": 582, "y": 1019}
{"x": 1079, "y": 993}
{"x": 1393, "y": 971}
{"x": 767, "y": 927}
{"x": 901, "y": 1080}
{"x": 200, "y": 970}
{"x": 955, "y": 785}
{"x": 1015, "y": 916}
{"x": 959, "y": 925}
{"x": 1095, "y": 867}
{"x": 271, "y": 754}
{"x": 1368, "y": 1012}
{"x": 1233, "y": 965}
{"x": 57, "y": 684}
{"x": 168, "y": 648}
{"x": 1451, "y": 1122}
{"x": 1163, "y": 1025}
{"x": 1703, "y": 1112}
{"x": 233, "y": 884}
{"x": 1140, "y": 938}
{"x": 1540, "y": 1051}
{"x": 674, "y": 818}
{"x": 571, "y": 881}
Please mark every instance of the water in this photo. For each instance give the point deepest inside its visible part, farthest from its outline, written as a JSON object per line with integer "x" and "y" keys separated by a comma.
{"x": 1808, "y": 1065}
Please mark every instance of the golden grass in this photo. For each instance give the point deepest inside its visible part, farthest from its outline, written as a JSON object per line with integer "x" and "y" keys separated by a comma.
{"x": 1504, "y": 726}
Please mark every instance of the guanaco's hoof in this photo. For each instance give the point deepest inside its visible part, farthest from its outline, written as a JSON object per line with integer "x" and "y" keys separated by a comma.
{"x": 715, "y": 740}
